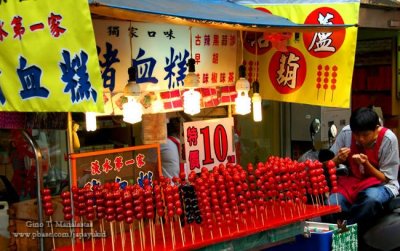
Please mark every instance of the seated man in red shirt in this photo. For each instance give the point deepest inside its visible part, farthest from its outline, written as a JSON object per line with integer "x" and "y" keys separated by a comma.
{"x": 372, "y": 155}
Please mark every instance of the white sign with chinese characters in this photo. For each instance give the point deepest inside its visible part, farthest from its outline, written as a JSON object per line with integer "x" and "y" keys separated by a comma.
{"x": 209, "y": 143}
{"x": 160, "y": 53}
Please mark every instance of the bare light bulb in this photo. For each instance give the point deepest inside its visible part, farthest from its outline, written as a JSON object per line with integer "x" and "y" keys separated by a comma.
{"x": 132, "y": 111}
{"x": 191, "y": 101}
{"x": 243, "y": 103}
{"x": 91, "y": 124}
{"x": 257, "y": 112}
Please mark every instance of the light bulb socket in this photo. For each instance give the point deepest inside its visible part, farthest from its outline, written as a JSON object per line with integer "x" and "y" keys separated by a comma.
{"x": 191, "y": 79}
{"x": 256, "y": 87}
{"x": 132, "y": 73}
{"x": 242, "y": 71}
{"x": 191, "y": 65}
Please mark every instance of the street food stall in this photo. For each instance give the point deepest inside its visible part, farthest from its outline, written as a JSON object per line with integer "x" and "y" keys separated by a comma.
{"x": 138, "y": 60}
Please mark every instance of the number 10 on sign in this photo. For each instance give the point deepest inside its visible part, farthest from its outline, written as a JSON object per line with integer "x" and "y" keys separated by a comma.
{"x": 209, "y": 143}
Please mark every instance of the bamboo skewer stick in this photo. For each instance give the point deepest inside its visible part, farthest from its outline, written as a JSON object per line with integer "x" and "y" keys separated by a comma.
{"x": 192, "y": 232}
{"x": 103, "y": 238}
{"x": 150, "y": 235}
{"x": 201, "y": 233}
{"x": 52, "y": 233}
{"x": 112, "y": 235}
{"x": 82, "y": 240}
{"x": 140, "y": 236}
{"x": 92, "y": 234}
{"x": 172, "y": 234}
{"x": 162, "y": 230}
{"x": 144, "y": 234}
{"x": 180, "y": 227}
{"x": 132, "y": 236}
{"x": 153, "y": 227}
{"x": 122, "y": 234}
{"x": 262, "y": 218}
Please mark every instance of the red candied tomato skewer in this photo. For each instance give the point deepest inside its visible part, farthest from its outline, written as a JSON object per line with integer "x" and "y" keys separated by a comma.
{"x": 160, "y": 207}
{"x": 48, "y": 210}
{"x": 332, "y": 177}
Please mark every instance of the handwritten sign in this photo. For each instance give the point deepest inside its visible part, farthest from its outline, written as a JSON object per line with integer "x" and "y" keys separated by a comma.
{"x": 209, "y": 143}
{"x": 160, "y": 53}
{"x": 124, "y": 165}
{"x": 48, "y": 59}
{"x": 316, "y": 67}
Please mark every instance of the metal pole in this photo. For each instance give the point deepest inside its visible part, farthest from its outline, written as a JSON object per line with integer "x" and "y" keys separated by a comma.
{"x": 39, "y": 184}
{"x": 71, "y": 150}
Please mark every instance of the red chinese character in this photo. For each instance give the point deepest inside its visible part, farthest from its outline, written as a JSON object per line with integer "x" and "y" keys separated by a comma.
{"x": 214, "y": 77}
{"x": 3, "y": 33}
{"x": 194, "y": 160}
{"x": 107, "y": 165}
{"x": 205, "y": 78}
{"x": 197, "y": 58}
{"x": 129, "y": 162}
{"x": 206, "y": 40}
{"x": 224, "y": 40}
{"x": 95, "y": 167}
{"x": 222, "y": 77}
{"x": 19, "y": 30}
{"x": 197, "y": 40}
{"x": 54, "y": 23}
{"x": 140, "y": 160}
{"x": 192, "y": 135}
{"x": 231, "y": 77}
{"x": 34, "y": 27}
{"x": 216, "y": 40}
{"x": 215, "y": 58}
{"x": 119, "y": 163}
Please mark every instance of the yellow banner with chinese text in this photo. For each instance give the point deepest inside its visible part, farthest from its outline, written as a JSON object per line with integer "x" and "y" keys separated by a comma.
{"x": 48, "y": 57}
{"x": 313, "y": 68}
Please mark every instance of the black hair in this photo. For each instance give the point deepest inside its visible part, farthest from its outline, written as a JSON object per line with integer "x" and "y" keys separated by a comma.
{"x": 364, "y": 119}
{"x": 173, "y": 127}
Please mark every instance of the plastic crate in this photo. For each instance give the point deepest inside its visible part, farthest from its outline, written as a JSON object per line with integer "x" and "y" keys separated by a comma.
{"x": 285, "y": 232}
{"x": 328, "y": 239}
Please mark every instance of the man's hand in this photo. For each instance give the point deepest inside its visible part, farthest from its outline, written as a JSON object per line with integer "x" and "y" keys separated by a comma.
{"x": 369, "y": 169}
{"x": 342, "y": 155}
{"x": 360, "y": 158}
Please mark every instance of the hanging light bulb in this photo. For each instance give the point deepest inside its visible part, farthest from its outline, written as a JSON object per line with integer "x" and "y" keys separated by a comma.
{"x": 242, "y": 101}
{"x": 191, "y": 102}
{"x": 191, "y": 98}
{"x": 256, "y": 99}
{"x": 91, "y": 124}
{"x": 132, "y": 110}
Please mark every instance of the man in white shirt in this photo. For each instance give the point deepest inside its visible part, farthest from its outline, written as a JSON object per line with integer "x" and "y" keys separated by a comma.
{"x": 170, "y": 151}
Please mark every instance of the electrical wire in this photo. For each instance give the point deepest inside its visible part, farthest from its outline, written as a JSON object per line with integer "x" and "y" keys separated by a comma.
{"x": 190, "y": 31}
{"x": 130, "y": 34}
{"x": 241, "y": 42}
{"x": 256, "y": 63}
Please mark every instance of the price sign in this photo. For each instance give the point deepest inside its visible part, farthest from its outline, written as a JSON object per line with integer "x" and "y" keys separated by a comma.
{"x": 209, "y": 143}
